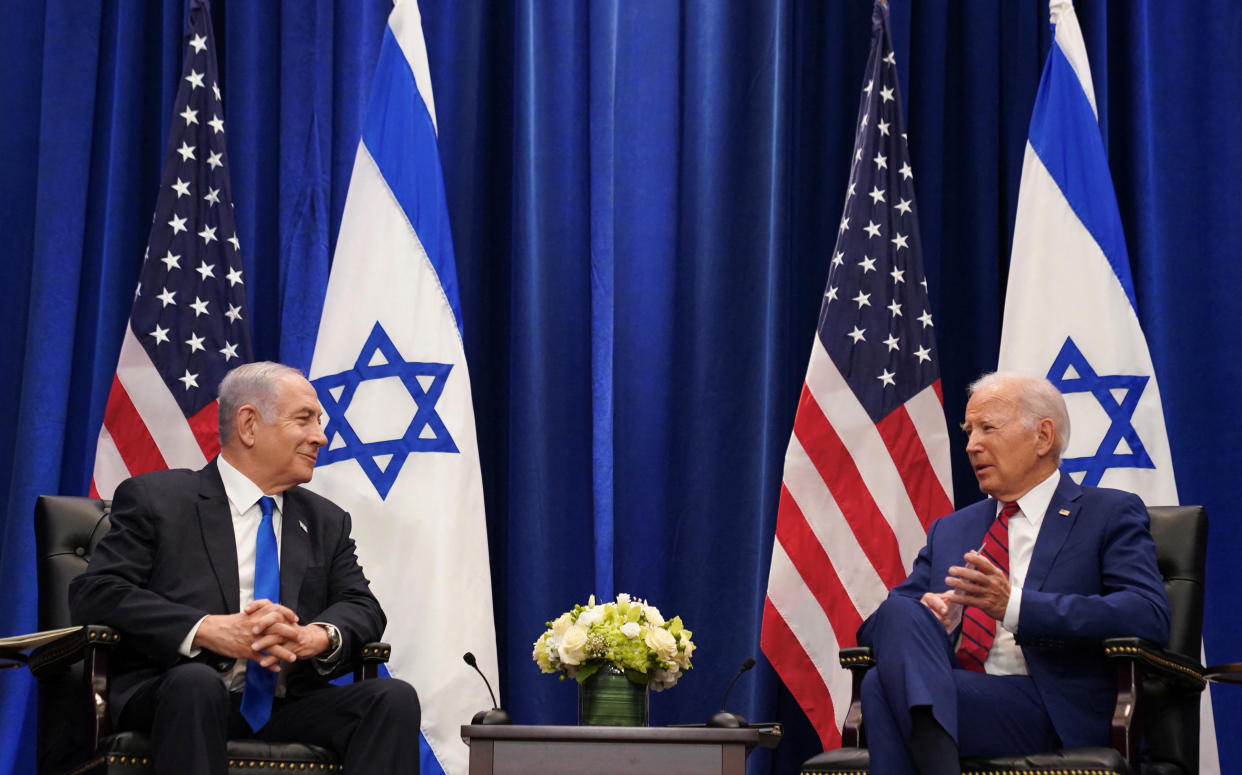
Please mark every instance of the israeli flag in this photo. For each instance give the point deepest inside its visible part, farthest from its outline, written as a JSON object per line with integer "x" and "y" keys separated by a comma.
{"x": 390, "y": 370}
{"x": 1070, "y": 310}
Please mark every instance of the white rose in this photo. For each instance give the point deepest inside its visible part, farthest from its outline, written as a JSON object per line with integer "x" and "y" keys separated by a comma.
{"x": 662, "y": 642}
{"x": 659, "y": 680}
{"x": 653, "y": 616}
{"x": 590, "y": 616}
{"x": 623, "y": 598}
{"x": 572, "y": 649}
{"x": 630, "y": 629}
{"x": 562, "y": 625}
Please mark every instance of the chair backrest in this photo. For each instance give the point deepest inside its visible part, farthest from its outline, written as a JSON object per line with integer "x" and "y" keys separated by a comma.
{"x": 66, "y": 532}
{"x": 1171, "y": 720}
{"x": 67, "y": 528}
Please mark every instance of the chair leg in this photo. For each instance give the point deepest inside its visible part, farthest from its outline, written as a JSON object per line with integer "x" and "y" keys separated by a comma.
{"x": 1124, "y": 733}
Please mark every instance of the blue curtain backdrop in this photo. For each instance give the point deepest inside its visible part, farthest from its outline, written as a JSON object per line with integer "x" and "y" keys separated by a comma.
{"x": 644, "y": 196}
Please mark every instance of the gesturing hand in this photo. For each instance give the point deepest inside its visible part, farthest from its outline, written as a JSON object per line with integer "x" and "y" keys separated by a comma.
{"x": 948, "y": 612}
{"x": 980, "y": 584}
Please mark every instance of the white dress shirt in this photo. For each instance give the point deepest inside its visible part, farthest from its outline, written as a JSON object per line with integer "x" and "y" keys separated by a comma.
{"x": 243, "y": 496}
{"x": 1005, "y": 657}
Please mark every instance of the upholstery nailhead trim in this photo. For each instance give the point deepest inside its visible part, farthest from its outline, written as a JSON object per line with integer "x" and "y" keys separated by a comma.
{"x": 1069, "y": 771}
{"x": 852, "y": 661}
{"x": 1133, "y": 651}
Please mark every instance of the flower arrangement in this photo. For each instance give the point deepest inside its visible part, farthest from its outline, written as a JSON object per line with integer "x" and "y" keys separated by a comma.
{"x": 628, "y": 634}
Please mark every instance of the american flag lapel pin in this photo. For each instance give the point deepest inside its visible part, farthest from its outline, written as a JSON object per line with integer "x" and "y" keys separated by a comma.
{"x": 1062, "y": 512}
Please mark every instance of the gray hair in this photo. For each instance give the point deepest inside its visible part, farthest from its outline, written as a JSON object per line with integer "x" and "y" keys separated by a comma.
{"x": 1037, "y": 399}
{"x": 253, "y": 384}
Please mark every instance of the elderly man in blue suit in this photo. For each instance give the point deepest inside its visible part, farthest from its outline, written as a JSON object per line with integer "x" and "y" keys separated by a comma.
{"x": 992, "y": 645}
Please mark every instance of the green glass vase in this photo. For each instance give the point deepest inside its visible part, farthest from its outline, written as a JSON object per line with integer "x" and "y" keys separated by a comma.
{"x": 608, "y": 698}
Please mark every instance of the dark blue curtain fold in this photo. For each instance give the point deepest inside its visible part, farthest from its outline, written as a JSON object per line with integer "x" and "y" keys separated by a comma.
{"x": 644, "y": 195}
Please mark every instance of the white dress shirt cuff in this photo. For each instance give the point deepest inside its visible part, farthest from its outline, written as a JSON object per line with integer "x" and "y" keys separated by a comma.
{"x": 326, "y": 661}
{"x": 187, "y": 646}
{"x": 1010, "y": 622}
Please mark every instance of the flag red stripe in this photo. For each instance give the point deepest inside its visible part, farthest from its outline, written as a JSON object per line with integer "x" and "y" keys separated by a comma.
{"x": 205, "y": 425}
{"x": 799, "y": 675}
{"x": 910, "y": 456}
{"x": 839, "y": 472}
{"x": 129, "y": 432}
{"x": 816, "y": 569}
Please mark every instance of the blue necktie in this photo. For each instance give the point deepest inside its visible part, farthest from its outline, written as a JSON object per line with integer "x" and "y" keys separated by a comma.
{"x": 260, "y": 688}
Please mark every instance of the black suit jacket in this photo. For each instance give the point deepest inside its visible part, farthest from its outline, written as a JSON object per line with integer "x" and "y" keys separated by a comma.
{"x": 170, "y": 559}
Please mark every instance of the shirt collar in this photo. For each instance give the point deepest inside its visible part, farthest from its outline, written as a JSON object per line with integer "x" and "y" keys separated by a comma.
{"x": 1035, "y": 503}
{"x": 242, "y": 493}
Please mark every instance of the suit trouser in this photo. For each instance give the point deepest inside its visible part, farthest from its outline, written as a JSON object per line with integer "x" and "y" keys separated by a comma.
{"x": 189, "y": 713}
{"x": 915, "y": 666}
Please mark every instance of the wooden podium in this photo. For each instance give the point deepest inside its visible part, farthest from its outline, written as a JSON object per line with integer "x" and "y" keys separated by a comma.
{"x": 522, "y": 750}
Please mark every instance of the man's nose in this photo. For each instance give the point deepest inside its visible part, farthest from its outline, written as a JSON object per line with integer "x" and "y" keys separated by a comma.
{"x": 972, "y": 442}
{"x": 319, "y": 439}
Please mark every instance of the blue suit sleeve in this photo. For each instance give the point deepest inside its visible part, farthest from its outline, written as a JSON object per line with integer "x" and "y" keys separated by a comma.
{"x": 1121, "y": 594}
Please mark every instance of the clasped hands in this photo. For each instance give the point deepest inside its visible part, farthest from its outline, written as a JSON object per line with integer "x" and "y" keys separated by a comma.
{"x": 979, "y": 583}
{"x": 264, "y": 632}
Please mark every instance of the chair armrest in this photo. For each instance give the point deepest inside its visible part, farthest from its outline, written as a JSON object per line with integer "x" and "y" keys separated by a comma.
{"x": 1179, "y": 671}
{"x": 91, "y": 644}
{"x": 72, "y": 648}
{"x": 370, "y": 658}
{"x": 1136, "y": 659}
{"x": 858, "y": 660}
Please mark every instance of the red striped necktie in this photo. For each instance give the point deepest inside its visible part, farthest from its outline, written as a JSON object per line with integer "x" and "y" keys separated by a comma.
{"x": 979, "y": 629}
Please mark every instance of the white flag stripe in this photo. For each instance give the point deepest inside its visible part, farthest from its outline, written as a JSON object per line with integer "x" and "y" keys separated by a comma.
{"x": 927, "y": 416}
{"x": 792, "y": 598}
{"x": 110, "y": 469}
{"x": 859, "y": 435}
{"x": 155, "y": 405}
{"x": 863, "y": 585}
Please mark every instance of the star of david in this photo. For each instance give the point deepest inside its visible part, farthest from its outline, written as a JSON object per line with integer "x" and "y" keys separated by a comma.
{"x": 1120, "y": 413}
{"x": 426, "y": 431}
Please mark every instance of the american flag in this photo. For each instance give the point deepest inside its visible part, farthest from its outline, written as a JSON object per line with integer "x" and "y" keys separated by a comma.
{"x": 867, "y": 468}
{"x": 188, "y": 325}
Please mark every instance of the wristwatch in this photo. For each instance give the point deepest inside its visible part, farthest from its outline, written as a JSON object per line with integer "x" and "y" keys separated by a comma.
{"x": 334, "y": 640}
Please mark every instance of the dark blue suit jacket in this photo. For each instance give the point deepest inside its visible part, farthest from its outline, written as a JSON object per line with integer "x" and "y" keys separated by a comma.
{"x": 170, "y": 558}
{"x": 1092, "y": 576}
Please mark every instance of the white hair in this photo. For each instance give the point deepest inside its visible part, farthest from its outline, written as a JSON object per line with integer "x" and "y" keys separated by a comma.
{"x": 1037, "y": 399}
{"x": 253, "y": 384}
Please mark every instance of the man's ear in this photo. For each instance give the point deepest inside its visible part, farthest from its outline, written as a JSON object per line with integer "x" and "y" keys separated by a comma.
{"x": 247, "y": 422}
{"x": 1045, "y": 436}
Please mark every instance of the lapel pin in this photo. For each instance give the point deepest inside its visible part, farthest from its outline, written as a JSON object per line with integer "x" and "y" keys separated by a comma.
{"x": 305, "y": 529}
{"x": 1062, "y": 512}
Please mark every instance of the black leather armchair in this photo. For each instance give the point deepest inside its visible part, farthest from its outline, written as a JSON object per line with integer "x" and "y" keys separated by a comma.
{"x": 1155, "y": 726}
{"x": 74, "y": 724}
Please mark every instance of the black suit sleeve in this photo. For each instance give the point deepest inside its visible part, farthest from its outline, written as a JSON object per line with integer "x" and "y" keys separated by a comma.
{"x": 350, "y": 604}
{"x": 114, "y": 588}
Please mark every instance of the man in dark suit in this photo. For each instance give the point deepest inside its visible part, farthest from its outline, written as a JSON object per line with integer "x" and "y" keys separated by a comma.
{"x": 992, "y": 645}
{"x": 188, "y": 553}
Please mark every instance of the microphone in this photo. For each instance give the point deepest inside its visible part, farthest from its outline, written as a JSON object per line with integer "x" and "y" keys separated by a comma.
{"x": 723, "y": 718}
{"x": 496, "y": 715}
